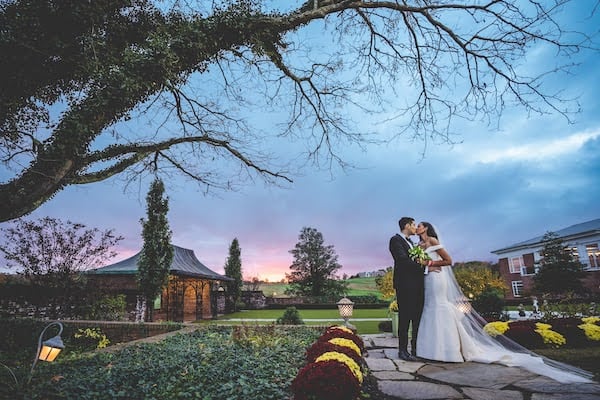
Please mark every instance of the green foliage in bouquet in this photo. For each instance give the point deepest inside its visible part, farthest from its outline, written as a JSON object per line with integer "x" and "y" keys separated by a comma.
{"x": 417, "y": 253}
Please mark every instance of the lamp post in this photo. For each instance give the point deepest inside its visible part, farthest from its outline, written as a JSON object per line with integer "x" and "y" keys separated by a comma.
{"x": 48, "y": 349}
{"x": 345, "y": 307}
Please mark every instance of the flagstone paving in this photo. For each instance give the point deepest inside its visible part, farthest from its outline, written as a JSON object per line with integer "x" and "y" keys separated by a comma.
{"x": 437, "y": 380}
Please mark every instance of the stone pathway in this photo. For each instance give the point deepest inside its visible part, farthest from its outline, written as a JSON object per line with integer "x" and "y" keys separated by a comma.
{"x": 437, "y": 380}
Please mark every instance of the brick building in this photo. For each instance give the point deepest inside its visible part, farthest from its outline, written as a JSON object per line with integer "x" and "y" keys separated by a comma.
{"x": 518, "y": 263}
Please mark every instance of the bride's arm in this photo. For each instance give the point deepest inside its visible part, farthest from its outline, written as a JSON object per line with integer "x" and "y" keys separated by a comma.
{"x": 446, "y": 259}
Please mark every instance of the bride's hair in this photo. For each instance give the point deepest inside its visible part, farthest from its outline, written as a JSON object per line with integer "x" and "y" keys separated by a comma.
{"x": 430, "y": 229}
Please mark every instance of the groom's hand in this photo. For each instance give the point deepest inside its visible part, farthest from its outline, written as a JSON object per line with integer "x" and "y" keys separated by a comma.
{"x": 435, "y": 269}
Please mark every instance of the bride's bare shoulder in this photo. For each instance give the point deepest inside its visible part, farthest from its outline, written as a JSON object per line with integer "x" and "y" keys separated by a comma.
{"x": 433, "y": 241}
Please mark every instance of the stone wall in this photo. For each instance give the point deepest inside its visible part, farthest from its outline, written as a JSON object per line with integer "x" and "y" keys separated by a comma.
{"x": 254, "y": 299}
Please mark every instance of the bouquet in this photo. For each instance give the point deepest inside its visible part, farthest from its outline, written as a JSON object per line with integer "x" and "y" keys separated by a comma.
{"x": 417, "y": 253}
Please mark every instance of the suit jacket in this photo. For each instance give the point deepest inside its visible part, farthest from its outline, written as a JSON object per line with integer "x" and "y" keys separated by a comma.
{"x": 408, "y": 274}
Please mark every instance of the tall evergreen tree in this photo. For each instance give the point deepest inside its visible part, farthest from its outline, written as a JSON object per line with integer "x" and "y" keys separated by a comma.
{"x": 559, "y": 271}
{"x": 157, "y": 253}
{"x": 314, "y": 267}
{"x": 233, "y": 269}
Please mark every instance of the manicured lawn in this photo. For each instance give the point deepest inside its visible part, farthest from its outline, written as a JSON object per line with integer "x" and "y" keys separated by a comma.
{"x": 356, "y": 287}
{"x": 330, "y": 313}
{"x": 326, "y": 317}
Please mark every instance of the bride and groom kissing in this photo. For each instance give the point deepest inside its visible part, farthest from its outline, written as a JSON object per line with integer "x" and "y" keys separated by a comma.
{"x": 409, "y": 284}
{"x": 444, "y": 325}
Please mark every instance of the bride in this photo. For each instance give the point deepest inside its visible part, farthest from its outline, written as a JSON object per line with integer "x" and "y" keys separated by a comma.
{"x": 451, "y": 331}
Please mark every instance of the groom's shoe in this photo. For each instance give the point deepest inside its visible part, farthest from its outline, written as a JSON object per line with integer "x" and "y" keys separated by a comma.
{"x": 413, "y": 347}
{"x": 406, "y": 356}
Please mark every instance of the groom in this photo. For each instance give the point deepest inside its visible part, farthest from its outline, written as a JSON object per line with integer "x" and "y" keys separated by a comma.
{"x": 408, "y": 283}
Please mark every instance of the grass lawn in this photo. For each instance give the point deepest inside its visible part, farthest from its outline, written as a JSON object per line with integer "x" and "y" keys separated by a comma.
{"x": 356, "y": 287}
{"x": 327, "y": 317}
{"x": 329, "y": 314}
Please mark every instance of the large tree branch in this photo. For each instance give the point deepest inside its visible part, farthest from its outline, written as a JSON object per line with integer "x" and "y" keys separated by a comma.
{"x": 146, "y": 53}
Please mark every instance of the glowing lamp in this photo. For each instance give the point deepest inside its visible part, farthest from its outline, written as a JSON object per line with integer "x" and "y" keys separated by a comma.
{"x": 48, "y": 349}
{"x": 51, "y": 348}
{"x": 345, "y": 306}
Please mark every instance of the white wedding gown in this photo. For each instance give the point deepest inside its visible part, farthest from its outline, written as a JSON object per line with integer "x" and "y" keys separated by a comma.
{"x": 450, "y": 330}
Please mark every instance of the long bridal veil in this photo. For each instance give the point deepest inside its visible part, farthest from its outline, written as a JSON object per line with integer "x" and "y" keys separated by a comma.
{"x": 478, "y": 346}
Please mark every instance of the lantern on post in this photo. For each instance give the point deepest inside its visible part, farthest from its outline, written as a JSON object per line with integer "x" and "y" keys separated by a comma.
{"x": 345, "y": 307}
{"x": 48, "y": 349}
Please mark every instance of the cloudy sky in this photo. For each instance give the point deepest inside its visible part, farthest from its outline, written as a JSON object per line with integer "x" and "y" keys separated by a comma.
{"x": 496, "y": 186}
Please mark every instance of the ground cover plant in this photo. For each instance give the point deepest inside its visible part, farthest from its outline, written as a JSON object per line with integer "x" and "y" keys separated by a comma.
{"x": 213, "y": 362}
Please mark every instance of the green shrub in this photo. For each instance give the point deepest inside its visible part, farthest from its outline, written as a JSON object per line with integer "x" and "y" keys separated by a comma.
{"x": 489, "y": 304}
{"x": 87, "y": 338}
{"x": 291, "y": 316}
{"x": 109, "y": 308}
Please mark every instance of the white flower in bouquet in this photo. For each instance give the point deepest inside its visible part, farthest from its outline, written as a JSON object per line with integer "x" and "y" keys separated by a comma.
{"x": 417, "y": 253}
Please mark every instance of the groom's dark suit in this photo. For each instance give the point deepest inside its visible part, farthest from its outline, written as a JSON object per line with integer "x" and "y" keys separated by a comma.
{"x": 408, "y": 283}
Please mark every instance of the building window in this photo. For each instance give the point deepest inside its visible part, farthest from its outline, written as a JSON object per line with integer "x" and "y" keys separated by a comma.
{"x": 529, "y": 270}
{"x": 574, "y": 251}
{"x": 593, "y": 254}
{"x": 517, "y": 288}
{"x": 515, "y": 264}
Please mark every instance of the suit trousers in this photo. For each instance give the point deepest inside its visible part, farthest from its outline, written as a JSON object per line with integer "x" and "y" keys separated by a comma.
{"x": 410, "y": 308}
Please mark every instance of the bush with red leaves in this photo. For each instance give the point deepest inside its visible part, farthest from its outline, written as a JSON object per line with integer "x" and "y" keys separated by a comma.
{"x": 338, "y": 333}
{"x": 320, "y": 347}
{"x": 329, "y": 380}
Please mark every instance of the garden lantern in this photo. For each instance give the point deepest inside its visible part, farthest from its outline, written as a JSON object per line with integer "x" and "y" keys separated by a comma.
{"x": 345, "y": 306}
{"x": 464, "y": 306}
{"x": 48, "y": 350}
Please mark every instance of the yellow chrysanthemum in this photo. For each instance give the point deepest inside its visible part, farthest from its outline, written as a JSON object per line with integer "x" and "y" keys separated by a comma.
{"x": 496, "y": 328}
{"x": 339, "y": 357}
{"x": 592, "y": 331}
{"x": 551, "y": 337}
{"x": 342, "y": 328}
{"x": 590, "y": 320}
{"x": 346, "y": 343}
{"x": 542, "y": 326}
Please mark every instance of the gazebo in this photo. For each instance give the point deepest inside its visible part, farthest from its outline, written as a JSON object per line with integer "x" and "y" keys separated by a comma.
{"x": 194, "y": 291}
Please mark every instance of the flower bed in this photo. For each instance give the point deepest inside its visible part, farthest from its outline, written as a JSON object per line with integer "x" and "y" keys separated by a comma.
{"x": 334, "y": 368}
{"x": 568, "y": 332}
{"x": 213, "y": 362}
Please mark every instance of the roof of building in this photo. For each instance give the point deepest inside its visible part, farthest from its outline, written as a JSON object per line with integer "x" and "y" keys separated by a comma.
{"x": 582, "y": 229}
{"x": 184, "y": 263}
